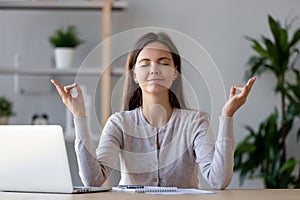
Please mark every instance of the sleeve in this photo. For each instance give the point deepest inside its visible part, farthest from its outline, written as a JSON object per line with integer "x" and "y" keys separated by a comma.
{"x": 94, "y": 165}
{"x": 215, "y": 158}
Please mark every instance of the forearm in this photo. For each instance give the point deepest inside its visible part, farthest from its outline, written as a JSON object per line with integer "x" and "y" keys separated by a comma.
{"x": 217, "y": 164}
{"x": 92, "y": 173}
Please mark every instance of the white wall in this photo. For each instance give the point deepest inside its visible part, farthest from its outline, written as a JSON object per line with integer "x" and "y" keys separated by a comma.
{"x": 219, "y": 26}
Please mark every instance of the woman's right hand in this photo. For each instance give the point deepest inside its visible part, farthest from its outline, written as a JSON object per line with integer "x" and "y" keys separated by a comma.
{"x": 74, "y": 104}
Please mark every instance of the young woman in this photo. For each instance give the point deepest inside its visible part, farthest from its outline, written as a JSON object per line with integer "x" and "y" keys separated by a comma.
{"x": 158, "y": 140}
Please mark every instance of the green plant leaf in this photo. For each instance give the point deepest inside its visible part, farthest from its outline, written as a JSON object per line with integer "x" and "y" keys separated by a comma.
{"x": 257, "y": 67}
{"x": 288, "y": 166}
{"x": 284, "y": 42}
{"x": 275, "y": 27}
{"x": 288, "y": 124}
{"x": 273, "y": 54}
{"x": 6, "y": 107}
{"x": 65, "y": 38}
{"x": 295, "y": 38}
{"x": 256, "y": 46}
{"x": 285, "y": 176}
{"x": 295, "y": 89}
{"x": 280, "y": 36}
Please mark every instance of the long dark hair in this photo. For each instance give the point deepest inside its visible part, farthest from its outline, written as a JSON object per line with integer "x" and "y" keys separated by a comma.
{"x": 132, "y": 96}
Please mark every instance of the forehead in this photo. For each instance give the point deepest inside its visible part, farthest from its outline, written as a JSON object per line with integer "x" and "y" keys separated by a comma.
{"x": 154, "y": 49}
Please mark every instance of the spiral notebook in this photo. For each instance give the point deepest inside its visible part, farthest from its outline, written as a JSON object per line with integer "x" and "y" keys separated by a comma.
{"x": 159, "y": 190}
{"x": 144, "y": 189}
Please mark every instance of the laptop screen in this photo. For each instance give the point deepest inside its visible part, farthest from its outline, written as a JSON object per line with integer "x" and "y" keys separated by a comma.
{"x": 34, "y": 158}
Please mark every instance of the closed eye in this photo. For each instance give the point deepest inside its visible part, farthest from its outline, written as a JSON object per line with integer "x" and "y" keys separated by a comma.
{"x": 144, "y": 65}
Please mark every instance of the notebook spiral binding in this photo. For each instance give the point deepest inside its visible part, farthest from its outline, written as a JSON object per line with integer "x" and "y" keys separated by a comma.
{"x": 155, "y": 189}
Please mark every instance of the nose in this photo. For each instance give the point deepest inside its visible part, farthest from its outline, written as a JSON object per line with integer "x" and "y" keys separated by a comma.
{"x": 154, "y": 72}
{"x": 154, "y": 69}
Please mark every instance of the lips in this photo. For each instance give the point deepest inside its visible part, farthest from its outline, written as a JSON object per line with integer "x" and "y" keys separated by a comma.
{"x": 155, "y": 80}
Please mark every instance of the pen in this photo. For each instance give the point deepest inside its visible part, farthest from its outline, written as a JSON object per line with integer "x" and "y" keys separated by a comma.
{"x": 131, "y": 186}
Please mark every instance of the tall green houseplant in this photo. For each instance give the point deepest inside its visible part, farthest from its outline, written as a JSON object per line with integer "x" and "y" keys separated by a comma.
{"x": 263, "y": 152}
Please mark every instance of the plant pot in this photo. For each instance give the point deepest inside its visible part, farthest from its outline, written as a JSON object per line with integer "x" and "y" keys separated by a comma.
{"x": 3, "y": 120}
{"x": 64, "y": 57}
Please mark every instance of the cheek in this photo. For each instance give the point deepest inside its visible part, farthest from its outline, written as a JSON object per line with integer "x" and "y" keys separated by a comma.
{"x": 171, "y": 77}
{"x": 169, "y": 73}
{"x": 169, "y": 82}
{"x": 141, "y": 75}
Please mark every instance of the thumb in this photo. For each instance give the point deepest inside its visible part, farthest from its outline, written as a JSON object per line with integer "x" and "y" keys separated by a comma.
{"x": 232, "y": 91}
{"x": 76, "y": 91}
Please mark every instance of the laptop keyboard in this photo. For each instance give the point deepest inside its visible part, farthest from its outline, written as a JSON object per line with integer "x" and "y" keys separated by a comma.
{"x": 82, "y": 189}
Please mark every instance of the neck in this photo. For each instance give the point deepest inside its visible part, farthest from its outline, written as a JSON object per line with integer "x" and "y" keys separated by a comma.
{"x": 157, "y": 109}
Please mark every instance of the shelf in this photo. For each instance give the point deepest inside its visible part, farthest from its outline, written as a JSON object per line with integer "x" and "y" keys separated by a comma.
{"x": 106, "y": 7}
{"x": 59, "y": 5}
{"x": 117, "y": 71}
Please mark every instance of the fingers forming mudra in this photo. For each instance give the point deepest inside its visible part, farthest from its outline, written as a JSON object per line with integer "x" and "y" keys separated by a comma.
{"x": 74, "y": 103}
{"x": 237, "y": 97}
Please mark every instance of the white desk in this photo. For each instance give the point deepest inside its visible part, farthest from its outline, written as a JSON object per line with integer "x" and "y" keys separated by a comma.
{"x": 282, "y": 194}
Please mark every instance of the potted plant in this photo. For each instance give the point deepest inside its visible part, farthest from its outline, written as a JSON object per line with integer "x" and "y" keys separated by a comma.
{"x": 65, "y": 41}
{"x": 263, "y": 152}
{"x": 6, "y": 110}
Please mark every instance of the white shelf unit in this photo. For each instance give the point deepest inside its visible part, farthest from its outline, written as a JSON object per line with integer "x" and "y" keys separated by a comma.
{"x": 106, "y": 6}
{"x": 60, "y": 5}
{"x": 35, "y": 71}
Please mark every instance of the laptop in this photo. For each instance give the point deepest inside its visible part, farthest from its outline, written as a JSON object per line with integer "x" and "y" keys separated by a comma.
{"x": 33, "y": 158}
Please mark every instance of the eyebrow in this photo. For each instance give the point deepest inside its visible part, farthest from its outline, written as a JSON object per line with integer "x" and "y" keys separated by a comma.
{"x": 147, "y": 59}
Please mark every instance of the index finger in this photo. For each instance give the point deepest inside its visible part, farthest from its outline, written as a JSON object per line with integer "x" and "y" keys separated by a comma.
{"x": 250, "y": 83}
{"x": 248, "y": 86}
{"x": 59, "y": 89}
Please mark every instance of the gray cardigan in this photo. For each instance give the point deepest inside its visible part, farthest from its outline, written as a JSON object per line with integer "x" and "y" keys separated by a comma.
{"x": 169, "y": 156}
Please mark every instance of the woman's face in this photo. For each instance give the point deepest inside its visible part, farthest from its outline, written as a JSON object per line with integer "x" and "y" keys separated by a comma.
{"x": 154, "y": 68}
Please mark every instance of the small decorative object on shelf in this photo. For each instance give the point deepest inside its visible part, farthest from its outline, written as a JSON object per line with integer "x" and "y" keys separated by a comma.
{"x": 65, "y": 42}
{"x": 39, "y": 119}
{"x": 6, "y": 110}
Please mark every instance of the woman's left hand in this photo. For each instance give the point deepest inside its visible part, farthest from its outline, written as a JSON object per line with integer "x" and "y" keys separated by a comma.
{"x": 235, "y": 101}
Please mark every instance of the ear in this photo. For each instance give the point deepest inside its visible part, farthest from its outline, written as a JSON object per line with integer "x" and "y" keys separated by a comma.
{"x": 134, "y": 75}
{"x": 175, "y": 74}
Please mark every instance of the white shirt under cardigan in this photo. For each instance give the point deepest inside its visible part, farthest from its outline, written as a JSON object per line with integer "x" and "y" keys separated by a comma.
{"x": 169, "y": 156}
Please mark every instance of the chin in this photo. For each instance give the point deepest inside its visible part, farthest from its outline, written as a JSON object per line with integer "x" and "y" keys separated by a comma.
{"x": 155, "y": 89}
